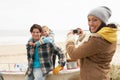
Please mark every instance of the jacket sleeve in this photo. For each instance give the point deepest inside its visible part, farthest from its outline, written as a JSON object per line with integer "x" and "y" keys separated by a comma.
{"x": 93, "y": 46}
{"x": 44, "y": 40}
{"x": 51, "y": 37}
{"x": 30, "y": 49}
{"x": 57, "y": 51}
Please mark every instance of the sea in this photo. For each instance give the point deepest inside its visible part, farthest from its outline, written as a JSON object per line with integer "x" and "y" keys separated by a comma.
{"x": 10, "y": 37}
{"x": 13, "y": 37}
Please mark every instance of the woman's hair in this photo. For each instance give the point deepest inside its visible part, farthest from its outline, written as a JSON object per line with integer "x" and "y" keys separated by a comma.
{"x": 35, "y": 26}
{"x": 101, "y": 26}
{"x": 111, "y": 25}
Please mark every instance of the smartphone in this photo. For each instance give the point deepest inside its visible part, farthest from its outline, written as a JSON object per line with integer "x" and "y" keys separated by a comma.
{"x": 75, "y": 31}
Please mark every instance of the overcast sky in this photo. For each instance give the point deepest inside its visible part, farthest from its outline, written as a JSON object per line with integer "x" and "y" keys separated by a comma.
{"x": 56, "y": 14}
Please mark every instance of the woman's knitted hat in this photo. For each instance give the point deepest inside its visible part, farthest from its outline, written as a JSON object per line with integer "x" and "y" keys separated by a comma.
{"x": 102, "y": 12}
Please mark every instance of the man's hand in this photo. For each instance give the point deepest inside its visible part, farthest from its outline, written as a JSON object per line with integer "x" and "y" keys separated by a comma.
{"x": 31, "y": 44}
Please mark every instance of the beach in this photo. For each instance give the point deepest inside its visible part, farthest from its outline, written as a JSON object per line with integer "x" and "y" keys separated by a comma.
{"x": 11, "y": 55}
{"x": 17, "y": 53}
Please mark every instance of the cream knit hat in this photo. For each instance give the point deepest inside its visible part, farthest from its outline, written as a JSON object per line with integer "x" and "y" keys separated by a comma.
{"x": 102, "y": 12}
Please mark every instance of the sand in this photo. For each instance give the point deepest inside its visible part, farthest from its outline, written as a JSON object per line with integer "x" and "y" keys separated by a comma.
{"x": 13, "y": 54}
{"x": 17, "y": 53}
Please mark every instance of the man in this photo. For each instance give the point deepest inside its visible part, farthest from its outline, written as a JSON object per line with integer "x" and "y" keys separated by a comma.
{"x": 40, "y": 56}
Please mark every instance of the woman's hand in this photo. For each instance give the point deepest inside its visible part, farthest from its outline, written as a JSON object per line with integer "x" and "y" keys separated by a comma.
{"x": 70, "y": 37}
{"x": 80, "y": 31}
{"x": 70, "y": 33}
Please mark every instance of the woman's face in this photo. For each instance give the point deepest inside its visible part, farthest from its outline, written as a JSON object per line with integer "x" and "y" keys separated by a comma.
{"x": 93, "y": 23}
{"x": 36, "y": 34}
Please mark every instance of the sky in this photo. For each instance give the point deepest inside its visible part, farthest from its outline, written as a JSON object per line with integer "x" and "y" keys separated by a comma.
{"x": 56, "y": 14}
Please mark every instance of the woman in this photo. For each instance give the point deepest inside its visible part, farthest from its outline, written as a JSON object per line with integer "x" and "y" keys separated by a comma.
{"x": 97, "y": 50}
{"x": 39, "y": 56}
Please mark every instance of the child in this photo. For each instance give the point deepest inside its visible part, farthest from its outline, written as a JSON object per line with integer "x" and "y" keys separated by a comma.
{"x": 48, "y": 33}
